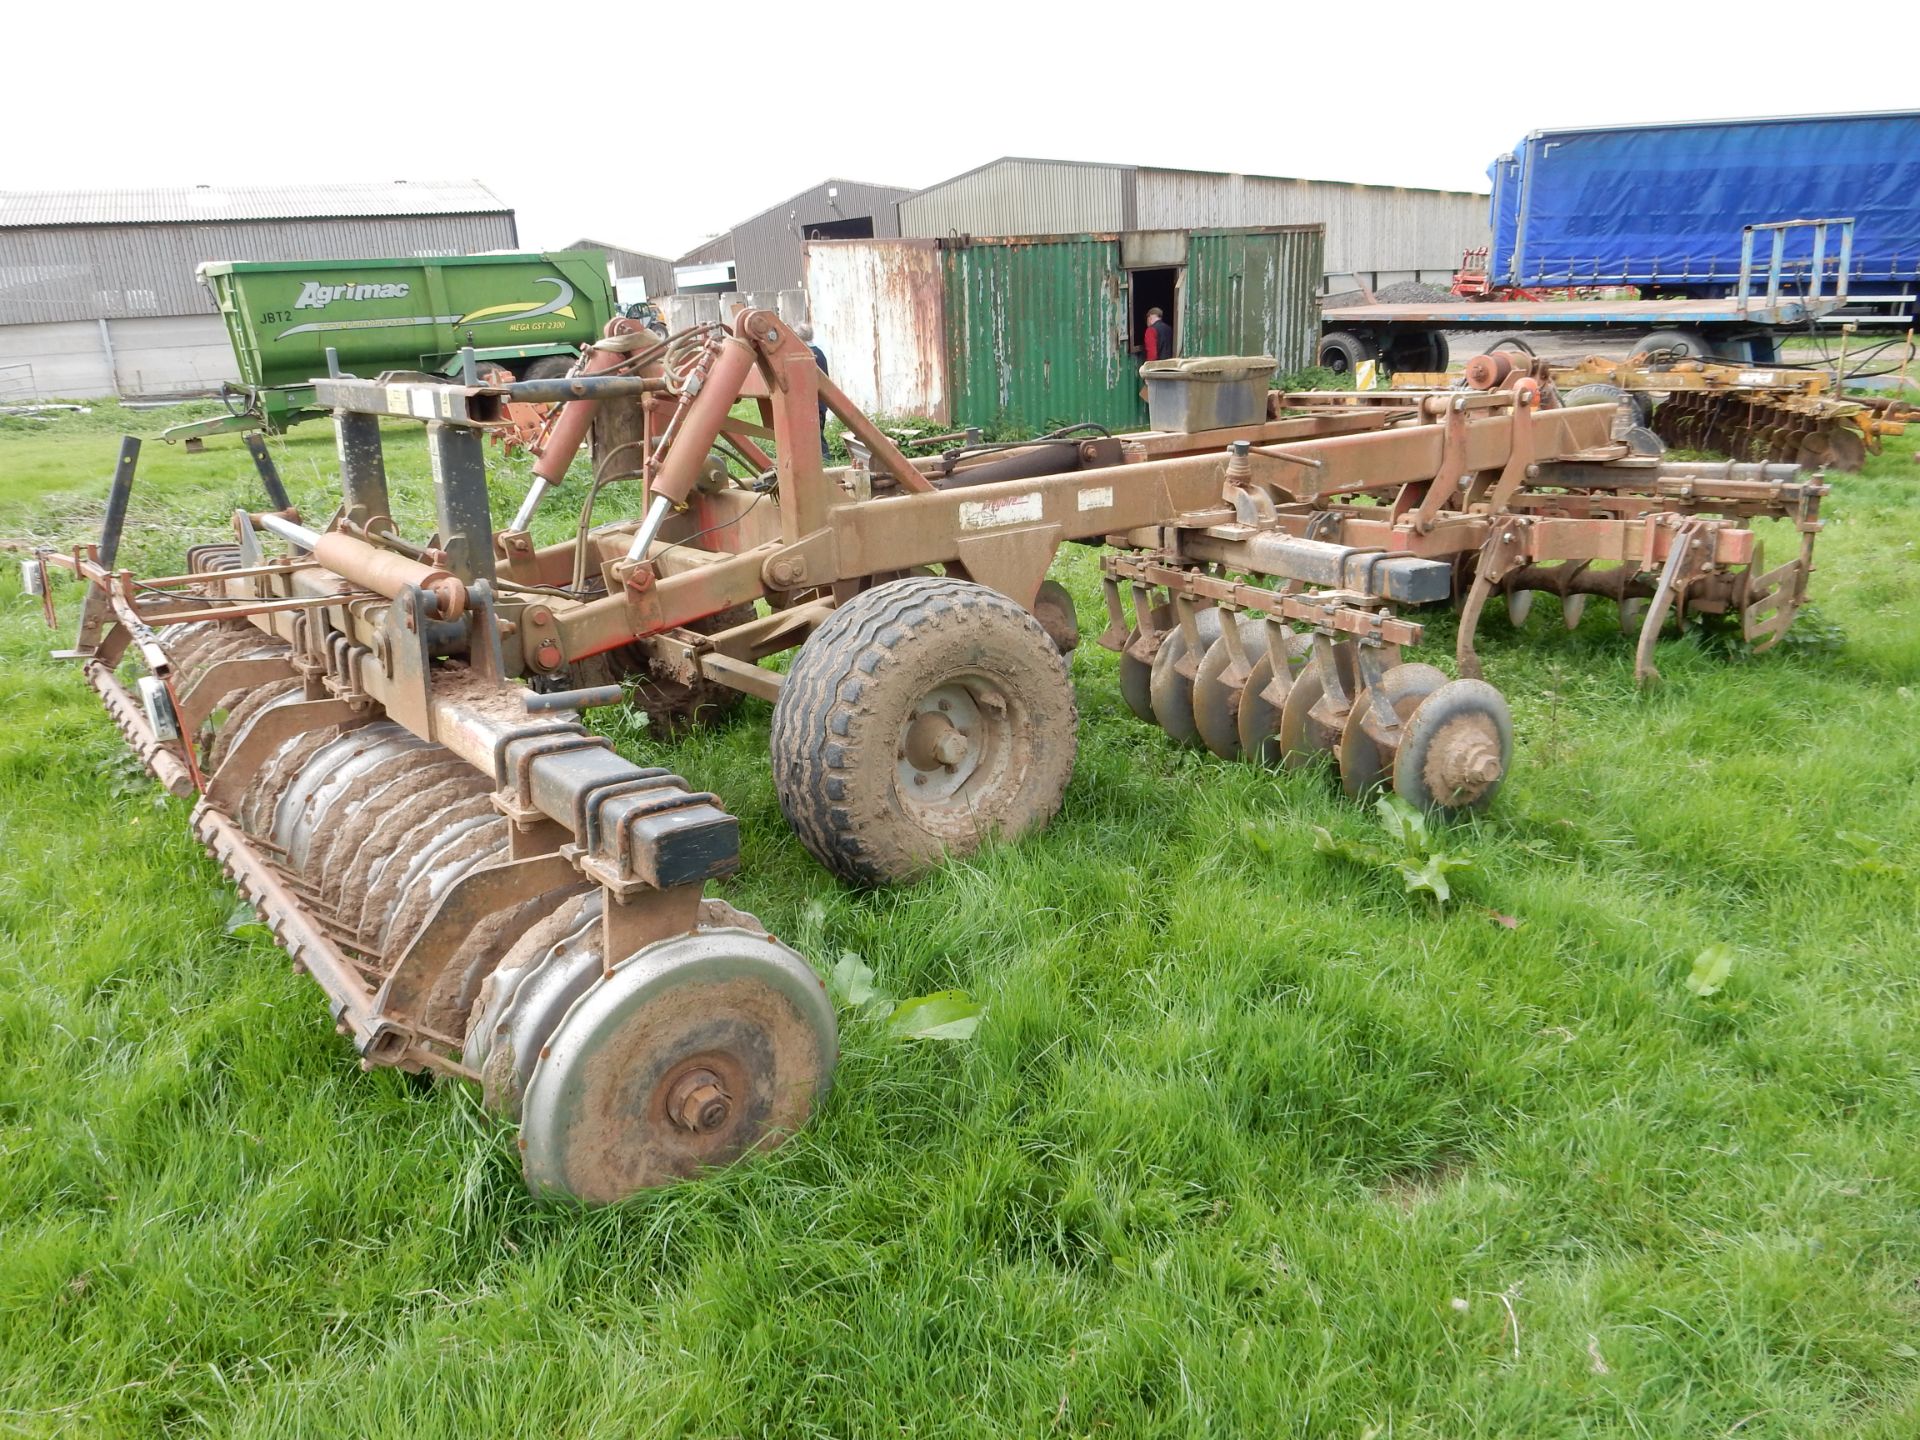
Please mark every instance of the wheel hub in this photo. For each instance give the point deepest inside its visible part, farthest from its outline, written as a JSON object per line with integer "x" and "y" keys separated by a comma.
{"x": 697, "y": 1101}
{"x": 943, "y": 740}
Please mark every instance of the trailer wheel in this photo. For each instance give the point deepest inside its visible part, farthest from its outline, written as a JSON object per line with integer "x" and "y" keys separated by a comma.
{"x": 1343, "y": 352}
{"x": 924, "y": 716}
{"x": 549, "y": 367}
{"x": 1508, "y": 342}
{"x": 1426, "y": 353}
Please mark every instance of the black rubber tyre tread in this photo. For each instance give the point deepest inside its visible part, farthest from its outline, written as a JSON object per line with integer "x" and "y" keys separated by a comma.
{"x": 858, "y": 638}
{"x": 1341, "y": 350}
{"x": 549, "y": 367}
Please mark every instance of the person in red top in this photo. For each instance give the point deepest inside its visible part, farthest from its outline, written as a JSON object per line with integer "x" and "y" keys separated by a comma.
{"x": 1159, "y": 337}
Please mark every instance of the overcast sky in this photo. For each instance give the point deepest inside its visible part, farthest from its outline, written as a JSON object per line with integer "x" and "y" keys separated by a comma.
{"x": 610, "y": 122}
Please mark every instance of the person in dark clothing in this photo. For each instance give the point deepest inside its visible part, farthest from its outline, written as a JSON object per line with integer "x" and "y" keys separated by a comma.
{"x": 805, "y": 332}
{"x": 1158, "y": 340}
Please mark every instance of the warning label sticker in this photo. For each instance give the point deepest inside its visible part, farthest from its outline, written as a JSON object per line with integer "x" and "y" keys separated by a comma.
{"x": 1008, "y": 510}
{"x": 1096, "y": 497}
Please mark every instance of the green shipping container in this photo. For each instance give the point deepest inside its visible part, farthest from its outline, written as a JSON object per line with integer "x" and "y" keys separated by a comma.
{"x": 1041, "y": 330}
{"x": 1253, "y": 292}
{"x": 1037, "y": 333}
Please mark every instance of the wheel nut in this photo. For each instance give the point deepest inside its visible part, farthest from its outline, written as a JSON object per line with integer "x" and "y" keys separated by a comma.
{"x": 697, "y": 1102}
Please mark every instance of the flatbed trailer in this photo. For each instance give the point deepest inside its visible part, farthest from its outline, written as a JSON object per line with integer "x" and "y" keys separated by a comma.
{"x": 1742, "y": 326}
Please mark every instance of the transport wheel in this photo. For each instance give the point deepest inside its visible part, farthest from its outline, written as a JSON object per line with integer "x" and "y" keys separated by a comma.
{"x": 1259, "y": 718}
{"x": 1216, "y": 705}
{"x": 1363, "y": 764}
{"x": 549, "y": 367}
{"x": 1671, "y": 345}
{"x": 1636, "y": 408}
{"x": 685, "y": 1055}
{"x": 1172, "y": 691}
{"x": 922, "y": 717}
{"x": 1136, "y": 676}
{"x": 1455, "y": 748}
{"x": 1343, "y": 352}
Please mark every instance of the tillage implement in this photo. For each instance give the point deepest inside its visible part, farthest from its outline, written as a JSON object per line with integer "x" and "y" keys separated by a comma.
{"x": 383, "y": 740}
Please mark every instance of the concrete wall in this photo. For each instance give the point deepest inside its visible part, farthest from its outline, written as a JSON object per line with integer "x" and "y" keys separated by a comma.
{"x": 90, "y": 359}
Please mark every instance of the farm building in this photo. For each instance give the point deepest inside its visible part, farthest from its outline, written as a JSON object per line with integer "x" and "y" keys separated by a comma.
{"x": 1375, "y": 234}
{"x": 767, "y": 252}
{"x": 653, "y": 272}
{"x": 97, "y": 288}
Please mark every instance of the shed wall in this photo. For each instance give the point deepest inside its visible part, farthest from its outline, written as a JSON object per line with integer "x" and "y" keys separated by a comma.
{"x": 1369, "y": 228}
{"x": 142, "y": 356}
{"x": 1025, "y": 197}
{"x": 85, "y": 272}
{"x": 769, "y": 251}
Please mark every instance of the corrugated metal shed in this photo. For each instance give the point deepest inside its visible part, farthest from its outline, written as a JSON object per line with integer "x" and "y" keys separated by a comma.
{"x": 720, "y": 247}
{"x": 1370, "y": 229}
{"x": 656, "y": 270}
{"x": 879, "y": 315}
{"x": 91, "y": 272}
{"x": 1024, "y": 197}
{"x": 769, "y": 249}
{"x": 196, "y": 204}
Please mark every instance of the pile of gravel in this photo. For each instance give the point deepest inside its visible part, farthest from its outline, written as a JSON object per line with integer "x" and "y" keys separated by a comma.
{"x": 1407, "y": 292}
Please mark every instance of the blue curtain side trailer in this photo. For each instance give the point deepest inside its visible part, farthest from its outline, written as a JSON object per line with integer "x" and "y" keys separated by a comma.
{"x": 1662, "y": 207}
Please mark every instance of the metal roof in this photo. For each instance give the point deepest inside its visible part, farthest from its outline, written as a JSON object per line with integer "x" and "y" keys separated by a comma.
{"x": 1180, "y": 170}
{"x": 187, "y": 204}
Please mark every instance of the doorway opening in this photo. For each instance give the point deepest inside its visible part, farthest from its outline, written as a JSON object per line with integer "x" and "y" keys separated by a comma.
{"x": 858, "y": 227}
{"x": 1153, "y": 290}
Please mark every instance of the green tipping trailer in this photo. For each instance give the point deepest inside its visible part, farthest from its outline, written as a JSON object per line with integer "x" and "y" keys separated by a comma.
{"x": 378, "y": 315}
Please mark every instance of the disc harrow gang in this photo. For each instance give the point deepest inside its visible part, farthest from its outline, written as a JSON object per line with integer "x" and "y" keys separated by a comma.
{"x": 383, "y": 739}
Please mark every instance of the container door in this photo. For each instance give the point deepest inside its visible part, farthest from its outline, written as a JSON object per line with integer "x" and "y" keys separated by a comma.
{"x": 1253, "y": 292}
{"x": 1037, "y": 334}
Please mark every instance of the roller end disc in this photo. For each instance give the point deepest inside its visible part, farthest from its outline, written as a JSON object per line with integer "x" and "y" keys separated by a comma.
{"x": 688, "y": 1055}
{"x": 1363, "y": 764}
{"x": 1172, "y": 691}
{"x": 1455, "y": 748}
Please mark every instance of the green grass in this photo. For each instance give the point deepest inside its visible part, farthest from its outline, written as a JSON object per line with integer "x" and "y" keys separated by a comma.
{"x": 1250, "y": 1141}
